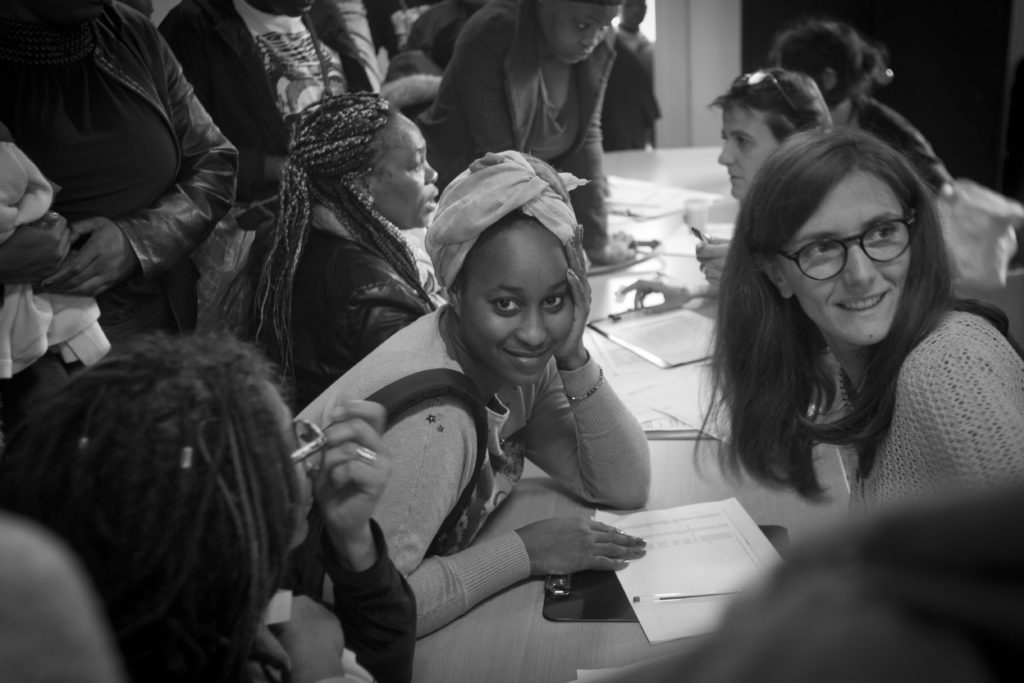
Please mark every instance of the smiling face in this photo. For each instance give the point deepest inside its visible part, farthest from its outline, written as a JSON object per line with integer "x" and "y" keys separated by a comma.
{"x": 401, "y": 181}
{"x": 747, "y": 142}
{"x": 856, "y": 308}
{"x": 573, "y": 29}
{"x": 513, "y": 302}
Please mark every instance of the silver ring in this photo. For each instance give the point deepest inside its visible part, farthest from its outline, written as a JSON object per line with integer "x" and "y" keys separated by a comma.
{"x": 366, "y": 455}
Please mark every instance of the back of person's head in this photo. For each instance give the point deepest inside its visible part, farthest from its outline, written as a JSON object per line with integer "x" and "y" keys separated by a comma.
{"x": 769, "y": 354}
{"x": 335, "y": 145}
{"x": 845, "y": 64}
{"x": 166, "y": 469}
{"x": 51, "y": 627}
{"x": 789, "y": 100}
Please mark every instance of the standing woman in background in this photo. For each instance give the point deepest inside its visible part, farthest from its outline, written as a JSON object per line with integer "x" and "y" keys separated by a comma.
{"x": 94, "y": 97}
{"x": 530, "y": 76}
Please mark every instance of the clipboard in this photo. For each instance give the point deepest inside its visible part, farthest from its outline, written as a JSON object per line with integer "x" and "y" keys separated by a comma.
{"x": 675, "y": 337}
{"x": 598, "y": 595}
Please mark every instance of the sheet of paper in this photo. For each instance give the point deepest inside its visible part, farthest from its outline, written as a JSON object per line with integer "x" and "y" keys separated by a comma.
{"x": 673, "y": 400}
{"x": 704, "y": 553}
{"x": 665, "y": 339}
{"x": 640, "y": 199}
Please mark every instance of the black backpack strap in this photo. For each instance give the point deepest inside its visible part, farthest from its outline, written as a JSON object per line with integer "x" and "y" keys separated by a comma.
{"x": 412, "y": 390}
{"x": 306, "y": 564}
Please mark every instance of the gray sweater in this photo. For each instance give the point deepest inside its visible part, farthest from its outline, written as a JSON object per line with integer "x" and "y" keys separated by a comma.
{"x": 595, "y": 448}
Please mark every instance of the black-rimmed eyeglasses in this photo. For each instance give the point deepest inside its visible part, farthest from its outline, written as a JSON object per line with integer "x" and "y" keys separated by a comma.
{"x": 884, "y": 241}
{"x": 755, "y": 77}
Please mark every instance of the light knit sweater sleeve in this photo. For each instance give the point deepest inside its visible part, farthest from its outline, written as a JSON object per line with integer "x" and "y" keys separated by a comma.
{"x": 435, "y": 450}
{"x": 594, "y": 446}
{"x": 960, "y": 409}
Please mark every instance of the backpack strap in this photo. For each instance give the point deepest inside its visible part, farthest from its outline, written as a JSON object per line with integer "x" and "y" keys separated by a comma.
{"x": 306, "y": 571}
{"x": 412, "y": 390}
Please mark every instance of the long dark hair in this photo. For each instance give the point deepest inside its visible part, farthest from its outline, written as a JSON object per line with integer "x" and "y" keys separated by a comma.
{"x": 167, "y": 472}
{"x": 333, "y": 144}
{"x": 773, "y": 379}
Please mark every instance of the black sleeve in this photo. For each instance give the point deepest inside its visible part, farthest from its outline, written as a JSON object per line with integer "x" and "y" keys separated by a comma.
{"x": 376, "y": 608}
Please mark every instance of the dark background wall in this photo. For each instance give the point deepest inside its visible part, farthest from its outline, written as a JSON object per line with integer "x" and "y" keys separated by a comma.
{"x": 950, "y": 62}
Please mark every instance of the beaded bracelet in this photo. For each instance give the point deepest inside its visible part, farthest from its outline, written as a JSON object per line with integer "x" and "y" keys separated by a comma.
{"x": 600, "y": 381}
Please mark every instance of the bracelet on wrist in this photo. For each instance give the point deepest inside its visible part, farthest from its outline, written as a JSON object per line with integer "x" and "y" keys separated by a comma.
{"x": 591, "y": 392}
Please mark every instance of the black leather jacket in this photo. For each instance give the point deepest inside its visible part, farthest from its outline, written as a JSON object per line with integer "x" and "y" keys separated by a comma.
{"x": 346, "y": 301}
{"x": 130, "y": 50}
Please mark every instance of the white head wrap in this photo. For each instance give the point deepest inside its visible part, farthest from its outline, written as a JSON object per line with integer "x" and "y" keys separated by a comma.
{"x": 490, "y": 189}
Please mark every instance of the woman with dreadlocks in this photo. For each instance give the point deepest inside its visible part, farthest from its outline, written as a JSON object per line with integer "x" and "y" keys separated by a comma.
{"x": 339, "y": 277}
{"x": 175, "y": 472}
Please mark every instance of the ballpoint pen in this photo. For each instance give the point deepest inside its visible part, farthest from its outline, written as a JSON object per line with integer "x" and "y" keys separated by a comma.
{"x": 653, "y": 310}
{"x": 669, "y": 597}
{"x": 698, "y": 234}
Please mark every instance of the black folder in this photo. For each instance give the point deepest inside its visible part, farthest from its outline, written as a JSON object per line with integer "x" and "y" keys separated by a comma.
{"x": 598, "y": 595}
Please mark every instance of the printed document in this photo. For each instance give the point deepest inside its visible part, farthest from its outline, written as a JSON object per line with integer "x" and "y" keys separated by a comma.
{"x": 698, "y": 558}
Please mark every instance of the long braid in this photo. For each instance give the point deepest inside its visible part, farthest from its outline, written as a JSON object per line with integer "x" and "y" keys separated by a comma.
{"x": 165, "y": 469}
{"x": 333, "y": 145}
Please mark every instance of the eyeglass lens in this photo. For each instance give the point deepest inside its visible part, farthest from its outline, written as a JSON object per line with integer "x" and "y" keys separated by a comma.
{"x": 881, "y": 242}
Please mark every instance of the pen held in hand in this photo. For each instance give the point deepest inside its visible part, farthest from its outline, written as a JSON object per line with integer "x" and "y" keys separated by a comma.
{"x": 698, "y": 234}
{"x": 675, "y": 597}
{"x": 652, "y": 310}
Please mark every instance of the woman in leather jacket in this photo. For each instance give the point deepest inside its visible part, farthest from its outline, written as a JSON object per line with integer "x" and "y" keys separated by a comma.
{"x": 338, "y": 277}
{"x": 96, "y": 99}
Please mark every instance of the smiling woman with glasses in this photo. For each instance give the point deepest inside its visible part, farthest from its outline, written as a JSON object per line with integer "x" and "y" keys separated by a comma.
{"x": 838, "y": 324}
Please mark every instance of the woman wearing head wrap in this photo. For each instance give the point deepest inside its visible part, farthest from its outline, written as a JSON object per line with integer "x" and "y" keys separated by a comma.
{"x": 505, "y": 244}
{"x": 530, "y": 75}
{"x": 338, "y": 276}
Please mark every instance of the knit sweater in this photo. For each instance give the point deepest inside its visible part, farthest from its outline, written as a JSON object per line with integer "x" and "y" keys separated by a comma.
{"x": 593, "y": 447}
{"x": 958, "y": 421}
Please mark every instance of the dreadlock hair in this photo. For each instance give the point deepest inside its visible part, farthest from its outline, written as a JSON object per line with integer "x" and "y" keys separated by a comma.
{"x": 168, "y": 472}
{"x": 333, "y": 145}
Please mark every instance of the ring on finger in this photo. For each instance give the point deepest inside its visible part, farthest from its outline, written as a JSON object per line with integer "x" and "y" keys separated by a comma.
{"x": 366, "y": 455}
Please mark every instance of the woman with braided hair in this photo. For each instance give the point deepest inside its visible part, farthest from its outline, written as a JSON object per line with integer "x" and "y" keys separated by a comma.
{"x": 338, "y": 276}
{"x": 175, "y": 472}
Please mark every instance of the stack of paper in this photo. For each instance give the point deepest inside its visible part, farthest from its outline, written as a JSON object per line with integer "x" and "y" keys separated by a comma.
{"x": 698, "y": 558}
{"x": 640, "y": 199}
{"x": 668, "y": 339}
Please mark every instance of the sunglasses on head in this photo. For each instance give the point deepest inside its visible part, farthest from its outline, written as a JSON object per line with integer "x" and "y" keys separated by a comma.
{"x": 754, "y": 77}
